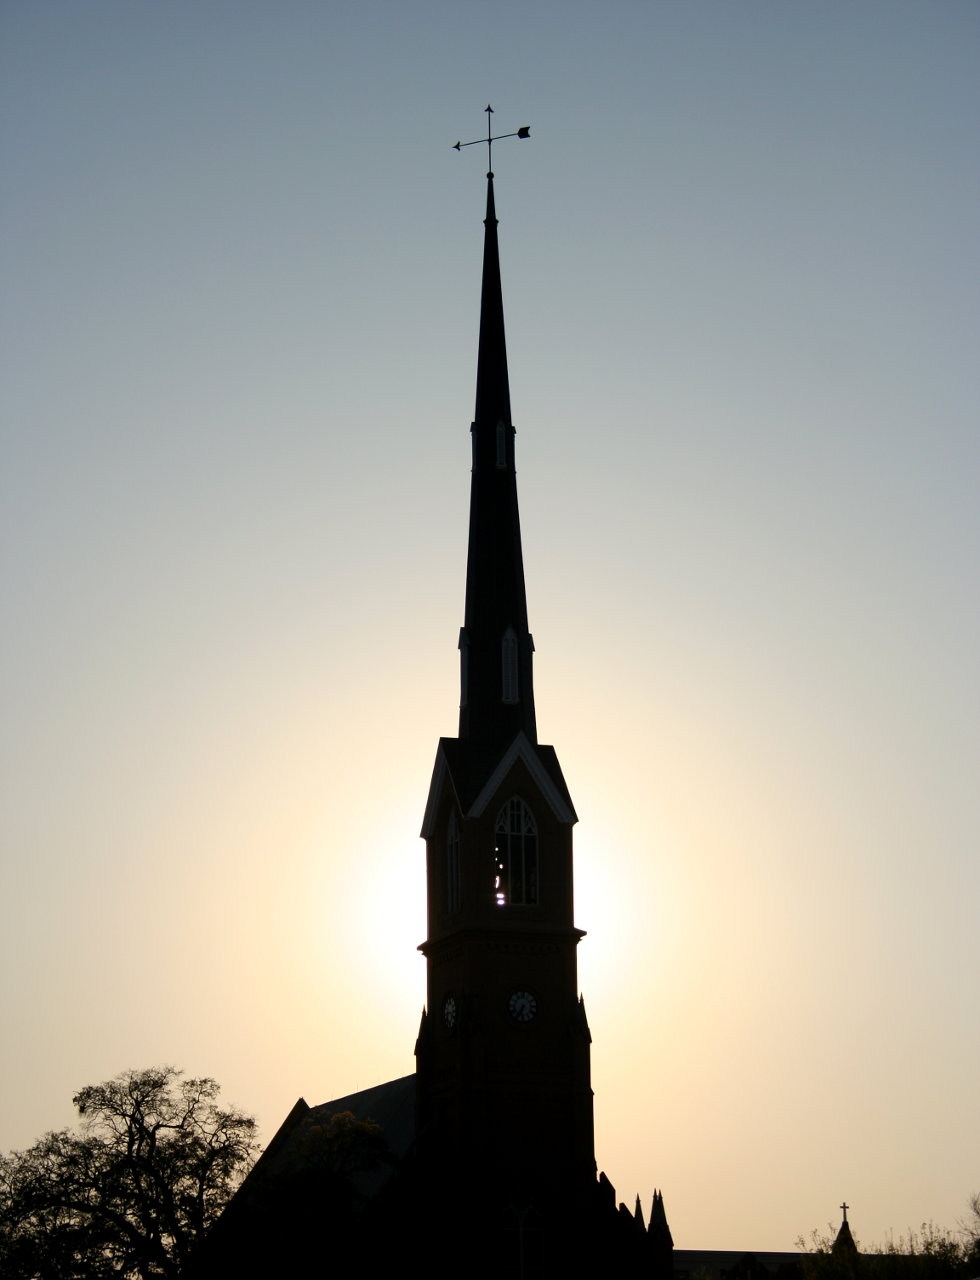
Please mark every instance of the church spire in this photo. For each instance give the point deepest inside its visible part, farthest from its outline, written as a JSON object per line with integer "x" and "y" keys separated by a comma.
{"x": 492, "y": 383}
{"x": 844, "y": 1242}
{"x": 497, "y": 694}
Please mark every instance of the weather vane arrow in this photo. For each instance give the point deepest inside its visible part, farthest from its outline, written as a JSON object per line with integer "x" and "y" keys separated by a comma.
{"x": 523, "y": 132}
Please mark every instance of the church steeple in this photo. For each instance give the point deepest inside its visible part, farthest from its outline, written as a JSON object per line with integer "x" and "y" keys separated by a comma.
{"x": 504, "y": 1099}
{"x": 496, "y": 689}
{"x": 844, "y": 1245}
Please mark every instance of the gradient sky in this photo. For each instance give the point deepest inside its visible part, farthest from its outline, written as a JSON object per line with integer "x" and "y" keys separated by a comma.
{"x": 241, "y": 269}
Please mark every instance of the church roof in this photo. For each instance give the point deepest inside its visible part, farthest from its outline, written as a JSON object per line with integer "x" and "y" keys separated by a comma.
{"x": 724, "y": 1264}
{"x": 390, "y": 1105}
{"x": 323, "y": 1168}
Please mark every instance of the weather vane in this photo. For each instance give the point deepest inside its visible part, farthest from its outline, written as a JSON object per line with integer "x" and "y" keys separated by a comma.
{"x": 524, "y": 132}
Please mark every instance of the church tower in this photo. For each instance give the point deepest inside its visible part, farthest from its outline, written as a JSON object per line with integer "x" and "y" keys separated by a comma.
{"x": 504, "y": 1100}
{"x": 482, "y": 1163}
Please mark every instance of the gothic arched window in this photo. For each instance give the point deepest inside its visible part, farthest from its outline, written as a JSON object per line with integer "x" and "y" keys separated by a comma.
{"x": 452, "y": 863}
{"x": 501, "y": 445}
{"x": 515, "y": 856}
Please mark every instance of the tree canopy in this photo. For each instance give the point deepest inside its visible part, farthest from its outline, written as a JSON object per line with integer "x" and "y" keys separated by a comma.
{"x": 132, "y": 1191}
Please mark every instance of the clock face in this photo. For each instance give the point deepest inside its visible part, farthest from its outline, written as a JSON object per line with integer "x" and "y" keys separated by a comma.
{"x": 449, "y": 1011}
{"x": 522, "y": 1006}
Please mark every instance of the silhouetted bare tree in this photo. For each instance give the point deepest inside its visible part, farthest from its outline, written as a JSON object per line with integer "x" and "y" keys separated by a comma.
{"x": 970, "y": 1228}
{"x": 129, "y": 1194}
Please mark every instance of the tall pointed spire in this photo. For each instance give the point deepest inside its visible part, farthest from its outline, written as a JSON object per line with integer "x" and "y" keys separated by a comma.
{"x": 659, "y": 1229}
{"x": 497, "y": 694}
{"x": 492, "y": 382}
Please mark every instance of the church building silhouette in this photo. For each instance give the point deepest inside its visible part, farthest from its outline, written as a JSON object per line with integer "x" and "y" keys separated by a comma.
{"x": 481, "y": 1163}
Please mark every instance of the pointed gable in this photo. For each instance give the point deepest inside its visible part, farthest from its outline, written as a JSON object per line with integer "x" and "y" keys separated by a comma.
{"x": 475, "y": 773}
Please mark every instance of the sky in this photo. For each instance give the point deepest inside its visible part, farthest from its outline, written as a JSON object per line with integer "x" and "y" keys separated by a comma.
{"x": 241, "y": 267}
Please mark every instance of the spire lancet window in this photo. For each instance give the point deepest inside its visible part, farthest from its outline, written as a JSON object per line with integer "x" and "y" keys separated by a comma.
{"x": 464, "y": 666}
{"x": 510, "y": 690}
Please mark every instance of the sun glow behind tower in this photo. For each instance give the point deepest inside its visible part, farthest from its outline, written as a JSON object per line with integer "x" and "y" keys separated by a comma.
{"x": 738, "y": 272}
